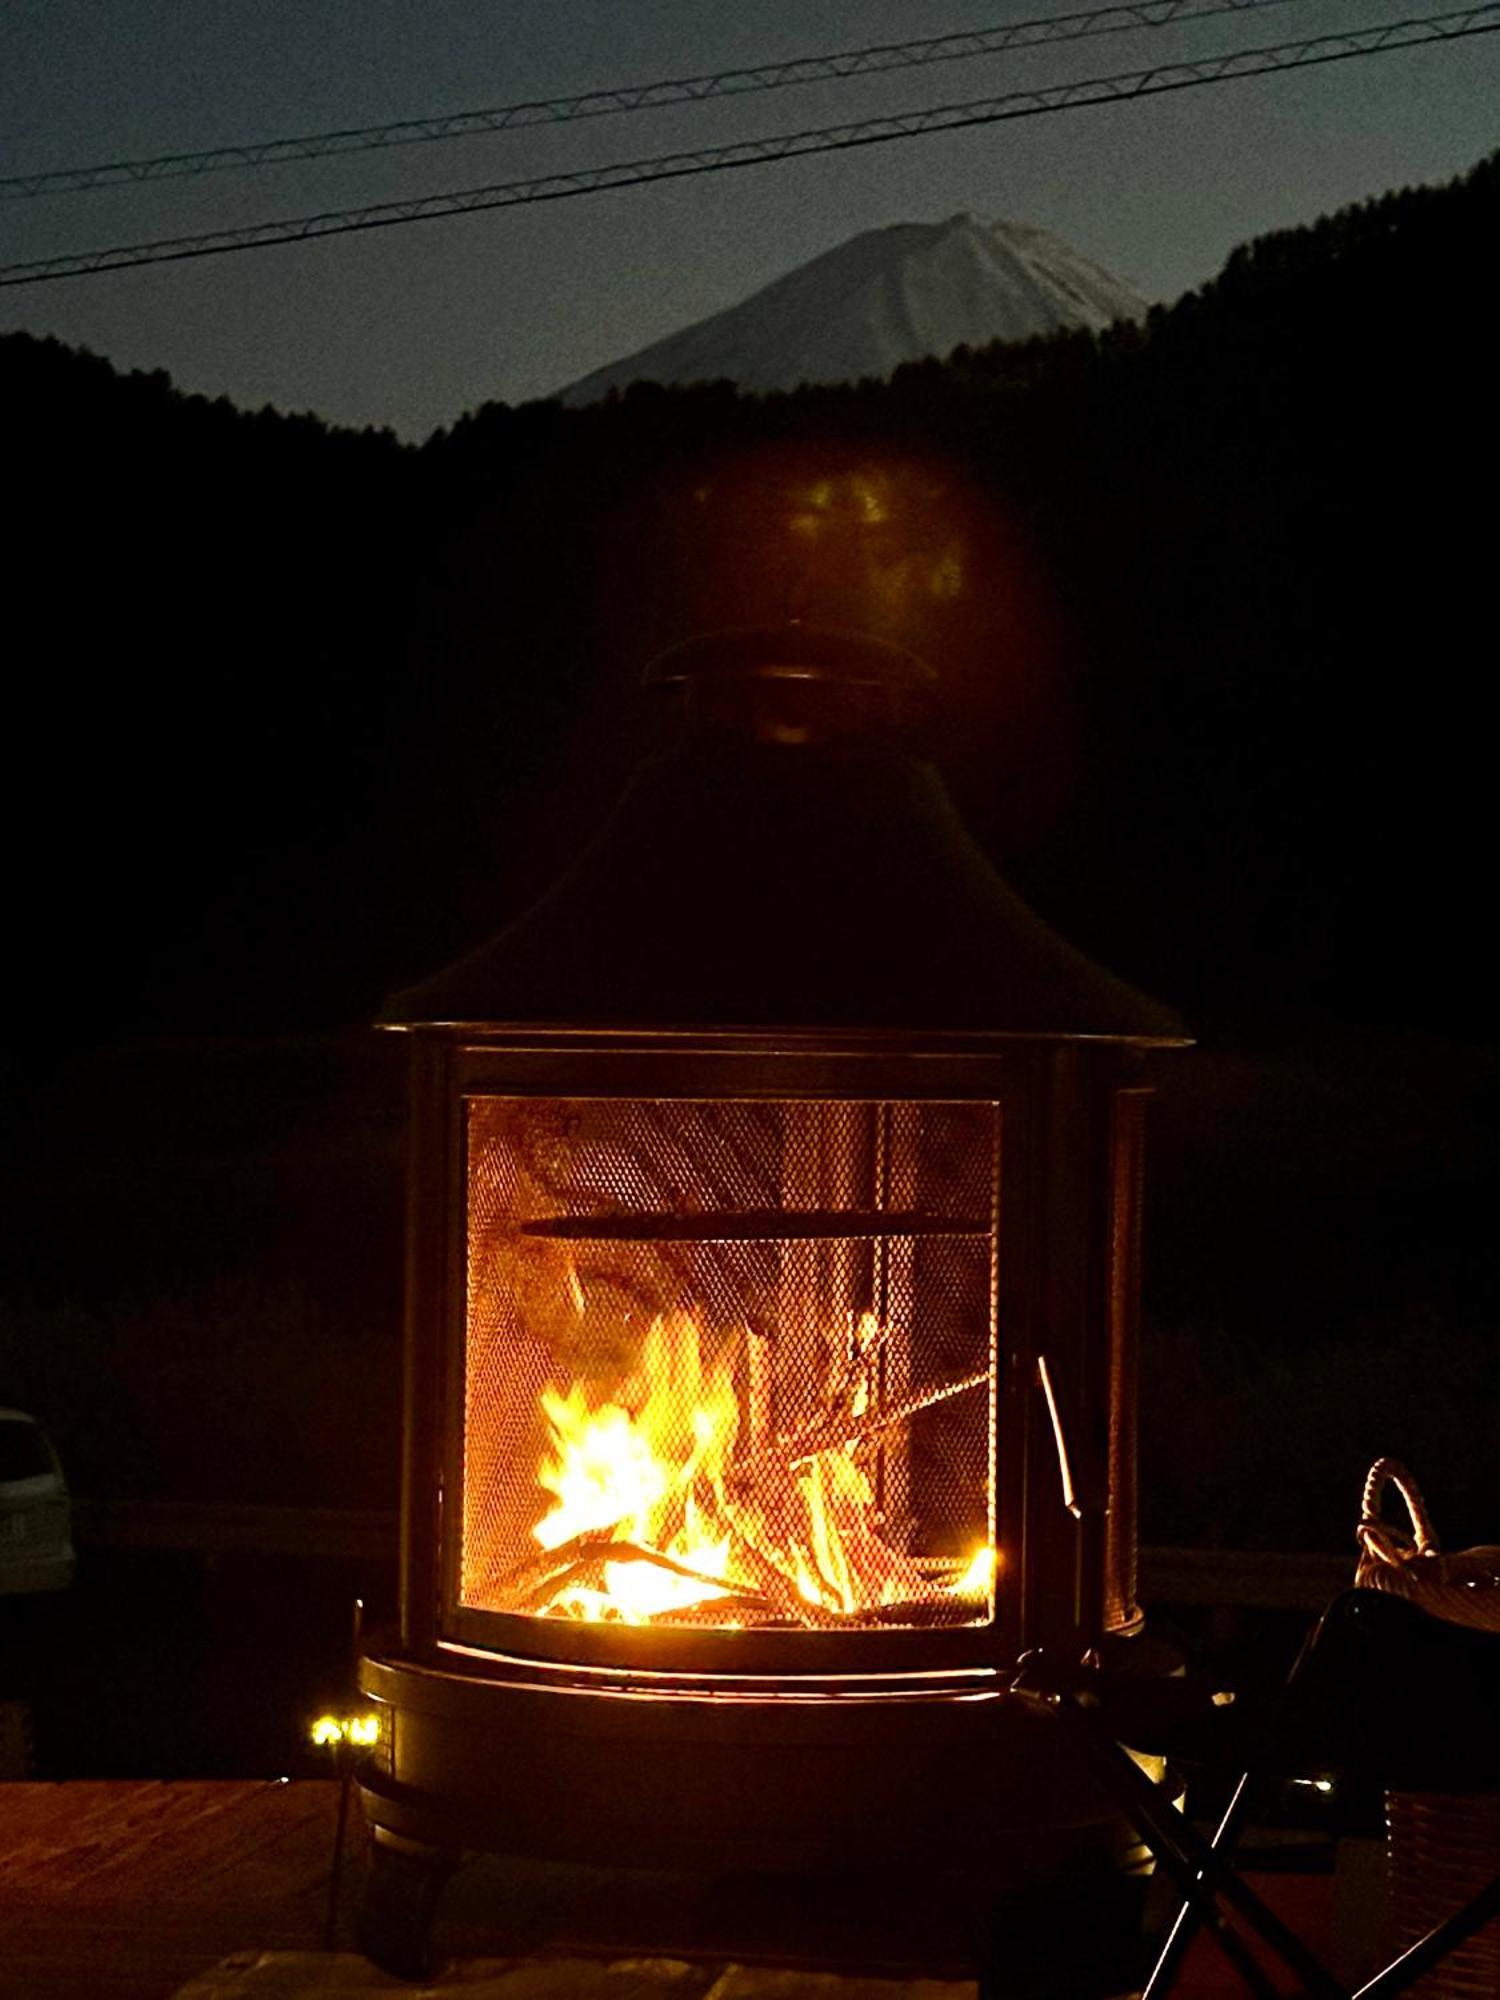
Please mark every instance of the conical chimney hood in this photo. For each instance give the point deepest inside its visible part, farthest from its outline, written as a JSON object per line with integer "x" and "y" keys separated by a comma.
{"x": 794, "y": 864}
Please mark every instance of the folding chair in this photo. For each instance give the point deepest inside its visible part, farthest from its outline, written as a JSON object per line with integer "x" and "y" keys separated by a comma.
{"x": 1382, "y": 1691}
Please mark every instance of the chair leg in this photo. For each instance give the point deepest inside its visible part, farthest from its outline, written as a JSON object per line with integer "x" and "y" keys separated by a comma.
{"x": 1189, "y": 1918}
{"x": 1186, "y": 1924}
{"x": 1201, "y": 1899}
{"x": 1204, "y": 1877}
{"x": 1430, "y": 1950}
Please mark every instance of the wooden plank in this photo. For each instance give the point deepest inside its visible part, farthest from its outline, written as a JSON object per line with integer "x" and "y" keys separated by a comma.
{"x": 341, "y": 1976}
{"x": 214, "y": 1891}
{"x": 316, "y": 1976}
{"x": 94, "y": 1839}
{"x": 123, "y": 1891}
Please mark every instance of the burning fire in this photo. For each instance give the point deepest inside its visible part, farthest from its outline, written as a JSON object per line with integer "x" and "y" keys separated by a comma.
{"x": 659, "y": 1514}
{"x": 647, "y": 1477}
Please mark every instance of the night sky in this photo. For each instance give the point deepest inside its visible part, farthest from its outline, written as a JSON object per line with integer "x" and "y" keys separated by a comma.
{"x": 410, "y": 327}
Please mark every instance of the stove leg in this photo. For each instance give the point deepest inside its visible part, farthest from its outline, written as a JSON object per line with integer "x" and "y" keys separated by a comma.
{"x": 404, "y": 1882}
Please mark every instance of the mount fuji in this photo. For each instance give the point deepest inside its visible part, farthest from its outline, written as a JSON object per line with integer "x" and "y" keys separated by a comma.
{"x": 886, "y": 296}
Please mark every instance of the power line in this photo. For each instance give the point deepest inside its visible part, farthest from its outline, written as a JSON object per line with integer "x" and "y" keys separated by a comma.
{"x": 1477, "y": 20}
{"x": 1115, "y": 19}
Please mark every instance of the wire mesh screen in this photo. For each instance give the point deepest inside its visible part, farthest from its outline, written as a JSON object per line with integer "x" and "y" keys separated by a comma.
{"x": 730, "y": 1362}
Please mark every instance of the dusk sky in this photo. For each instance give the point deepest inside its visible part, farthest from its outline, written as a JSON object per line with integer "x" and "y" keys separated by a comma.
{"x": 412, "y": 326}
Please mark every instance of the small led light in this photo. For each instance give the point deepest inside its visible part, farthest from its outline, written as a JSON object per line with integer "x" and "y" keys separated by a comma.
{"x": 361, "y": 1731}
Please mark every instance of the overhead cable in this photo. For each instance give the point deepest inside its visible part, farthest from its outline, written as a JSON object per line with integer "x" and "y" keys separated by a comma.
{"x": 1110, "y": 20}
{"x": 1476, "y": 20}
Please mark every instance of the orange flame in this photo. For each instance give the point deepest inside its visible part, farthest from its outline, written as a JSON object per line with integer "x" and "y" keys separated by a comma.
{"x": 644, "y": 1475}
{"x": 651, "y": 1515}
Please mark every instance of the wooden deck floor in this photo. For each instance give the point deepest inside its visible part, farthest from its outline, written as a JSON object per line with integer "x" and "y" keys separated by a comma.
{"x": 122, "y": 1891}
{"x": 127, "y": 1890}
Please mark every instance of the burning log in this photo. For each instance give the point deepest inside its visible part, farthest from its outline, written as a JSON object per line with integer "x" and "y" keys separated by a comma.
{"x": 578, "y": 1563}
{"x": 639, "y": 1552}
{"x": 726, "y": 1611}
{"x": 791, "y": 1533}
{"x": 586, "y": 1573}
{"x": 783, "y": 1592}
{"x": 848, "y": 1433}
{"x": 869, "y": 1344}
{"x": 927, "y": 1611}
{"x": 522, "y": 1579}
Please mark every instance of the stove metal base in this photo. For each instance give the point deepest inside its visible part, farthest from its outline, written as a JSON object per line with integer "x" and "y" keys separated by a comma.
{"x": 945, "y": 1831}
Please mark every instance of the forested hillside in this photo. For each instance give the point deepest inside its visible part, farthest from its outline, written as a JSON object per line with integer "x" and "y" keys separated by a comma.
{"x": 287, "y": 703}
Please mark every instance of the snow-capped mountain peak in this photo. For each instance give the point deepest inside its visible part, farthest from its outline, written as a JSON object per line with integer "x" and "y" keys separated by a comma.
{"x": 886, "y": 296}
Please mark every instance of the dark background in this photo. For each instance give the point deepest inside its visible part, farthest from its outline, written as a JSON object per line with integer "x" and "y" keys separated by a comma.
{"x": 294, "y": 715}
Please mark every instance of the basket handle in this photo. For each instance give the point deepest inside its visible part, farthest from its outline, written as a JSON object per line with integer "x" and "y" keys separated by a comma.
{"x": 1376, "y": 1538}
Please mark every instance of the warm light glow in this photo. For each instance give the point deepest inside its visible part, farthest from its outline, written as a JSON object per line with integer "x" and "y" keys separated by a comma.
{"x": 978, "y": 1578}
{"x": 642, "y": 1476}
{"x": 947, "y": 573}
{"x": 658, "y": 1510}
{"x": 363, "y": 1731}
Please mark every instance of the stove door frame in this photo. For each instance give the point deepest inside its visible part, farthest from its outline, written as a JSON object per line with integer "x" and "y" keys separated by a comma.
{"x": 1062, "y": 1306}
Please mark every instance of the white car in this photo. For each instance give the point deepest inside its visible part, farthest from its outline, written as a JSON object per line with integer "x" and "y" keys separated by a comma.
{"x": 36, "y": 1539}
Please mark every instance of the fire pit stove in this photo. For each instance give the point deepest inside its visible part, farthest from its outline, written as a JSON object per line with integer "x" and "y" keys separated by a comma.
{"x": 773, "y": 1272}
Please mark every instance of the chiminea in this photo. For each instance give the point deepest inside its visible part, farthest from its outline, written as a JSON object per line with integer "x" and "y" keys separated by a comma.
{"x": 772, "y": 1287}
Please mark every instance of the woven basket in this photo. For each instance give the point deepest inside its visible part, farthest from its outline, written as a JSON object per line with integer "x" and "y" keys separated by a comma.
{"x": 1441, "y": 1848}
{"x": 1464, "y": 1588}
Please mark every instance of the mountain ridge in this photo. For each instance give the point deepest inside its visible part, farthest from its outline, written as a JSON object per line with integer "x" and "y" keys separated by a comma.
{"x": 906, "y": 291}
